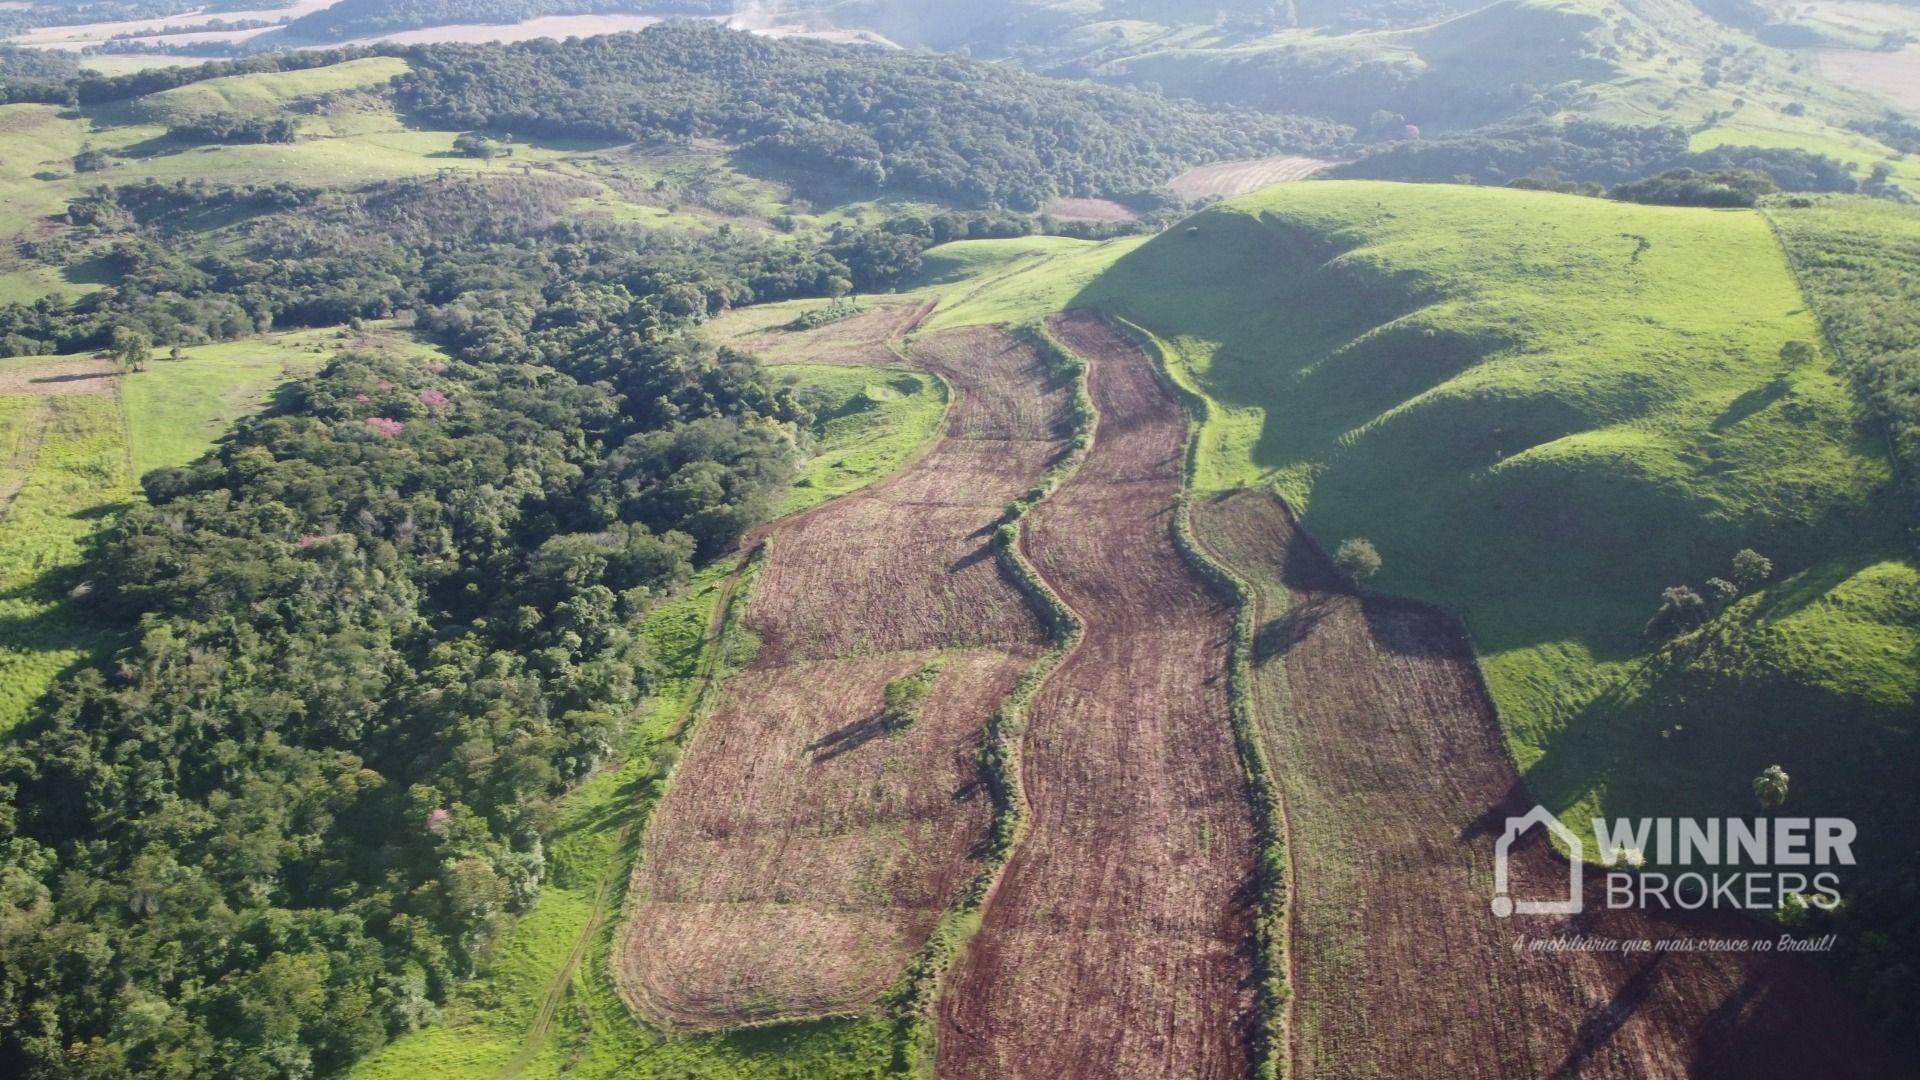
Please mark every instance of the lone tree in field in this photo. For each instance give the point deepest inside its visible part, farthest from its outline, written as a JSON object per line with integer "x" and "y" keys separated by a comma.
{"x": 1770, "y": 787}
{"x": 132, "y": 348}
{"x": 1750, "y": 568}
{"x": 1357, "y": 559}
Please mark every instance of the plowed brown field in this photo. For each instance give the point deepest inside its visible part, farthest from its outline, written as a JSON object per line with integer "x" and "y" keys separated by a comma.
{"x": 1225, "y": 179}
{"x": 803, "y": 854}
{"x": 1397, "y": 786}
{"x": 866, "y": 338}
{"x": 1117, "y": 942}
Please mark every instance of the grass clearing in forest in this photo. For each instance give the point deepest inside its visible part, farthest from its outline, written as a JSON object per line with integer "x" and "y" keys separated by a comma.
{"x": 73, "y": 459}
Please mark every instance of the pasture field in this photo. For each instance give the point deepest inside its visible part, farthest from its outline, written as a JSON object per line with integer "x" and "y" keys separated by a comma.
{"x": 77, "y": 437}
{"x": 1116, "y": 942}
{"x": 1891, "y": 76}
{"x": 82, "y": 35}
{"x": 844, "y": 840}
{"x": 867, "y": 422}
{"x": 1544, "y": 410}
{"x": 269, "y": 93}
{"x": 1391, "y": 760}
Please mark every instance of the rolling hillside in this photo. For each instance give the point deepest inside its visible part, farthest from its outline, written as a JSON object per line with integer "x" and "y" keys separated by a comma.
{"x": 1544, "y": 410}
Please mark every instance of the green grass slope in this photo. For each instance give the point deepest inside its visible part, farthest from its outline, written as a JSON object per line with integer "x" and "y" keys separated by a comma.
{"x": 1544, "y": 409}
{"x": 1633, "y": 62}
{"x": 268, "y": 94}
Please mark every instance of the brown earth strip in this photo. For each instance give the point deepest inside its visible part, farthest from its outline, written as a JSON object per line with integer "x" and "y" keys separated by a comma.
{"x": 1095, "y": 210}
{"x": 866, "y": 338}
{"x": 803, "y": 854}
{"x": 1117, "y": 942}
{"x": 1225, "y": 179}
{"x": 57, "y": 377}
{"x": 1397, "y": 784}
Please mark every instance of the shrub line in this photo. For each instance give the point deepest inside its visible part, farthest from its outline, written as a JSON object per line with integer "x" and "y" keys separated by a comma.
{"x": 910, "y": 1003}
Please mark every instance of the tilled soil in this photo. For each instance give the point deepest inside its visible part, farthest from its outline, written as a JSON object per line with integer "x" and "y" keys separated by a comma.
{"x": 1225, "y": 179}
{"x": 802, "y": 853}
{"x": 1398, "y": 785}
{"x": 866, "y": 338}
{"x": 1117, "y": 942}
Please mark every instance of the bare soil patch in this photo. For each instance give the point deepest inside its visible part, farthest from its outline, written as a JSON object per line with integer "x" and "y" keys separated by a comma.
{"x": 1117, "y": 941}
{"x": 57, "y": 378}
{"x": 866, "y": 338}
{"x": 1088, "y": 210}
{"x": 804, "y": 853}
{"x": 1894, "y": 76}
{"x": 1397, "y": 784}
{"x": 1225, "y": 179}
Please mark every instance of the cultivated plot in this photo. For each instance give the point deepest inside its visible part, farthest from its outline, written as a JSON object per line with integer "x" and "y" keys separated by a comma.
{"x": 1397, "y": 786}
{"x": 808, "y": 847}
{"x": 1225, "y": 179}
{"x": 1117, "y": 943}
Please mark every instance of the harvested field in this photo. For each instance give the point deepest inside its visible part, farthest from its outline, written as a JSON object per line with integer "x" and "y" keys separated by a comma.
{"x": 1087, "y": 210}
{"x": 866, "y": 338}
{"x": 1397, "y": 785}
{"x": 1117, "y": 941}
{"x": 1225, "y": 179}
{"x": 1894, "y": 76}
{"x": 53, "y": 378}
{"x": 803, "y": 852}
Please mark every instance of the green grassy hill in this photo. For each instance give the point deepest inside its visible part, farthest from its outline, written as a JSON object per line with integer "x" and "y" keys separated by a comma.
{"x": 1640, "y": 62}
{"x": 269, "y": 94}
{"x": 1544, "y": 410}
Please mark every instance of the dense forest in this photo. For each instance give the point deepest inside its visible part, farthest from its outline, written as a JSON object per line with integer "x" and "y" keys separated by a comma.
{"x": 459, "y": 253}
{"x": 939, "y": 125}
{"x": 30, "y": 73}
{"x": 1586, "y": 150}
{"x": 386, "y": 625}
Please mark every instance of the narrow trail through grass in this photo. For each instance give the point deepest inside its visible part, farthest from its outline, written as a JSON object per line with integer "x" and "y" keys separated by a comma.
{"x": 704, "y": 679}
{"x": 33, "y": 429}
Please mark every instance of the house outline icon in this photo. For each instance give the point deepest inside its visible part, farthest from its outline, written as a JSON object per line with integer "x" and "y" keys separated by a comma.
{"x": 1503, "y": 903}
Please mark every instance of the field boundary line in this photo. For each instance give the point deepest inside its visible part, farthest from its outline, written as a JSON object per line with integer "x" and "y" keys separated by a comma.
{"x": 729, "y": 611}
{"x": 703, "y": 679}
{"x": 1274, "y": 871}
{"x": 1846, "y": 363}
{"x": 912, "y": 1002}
